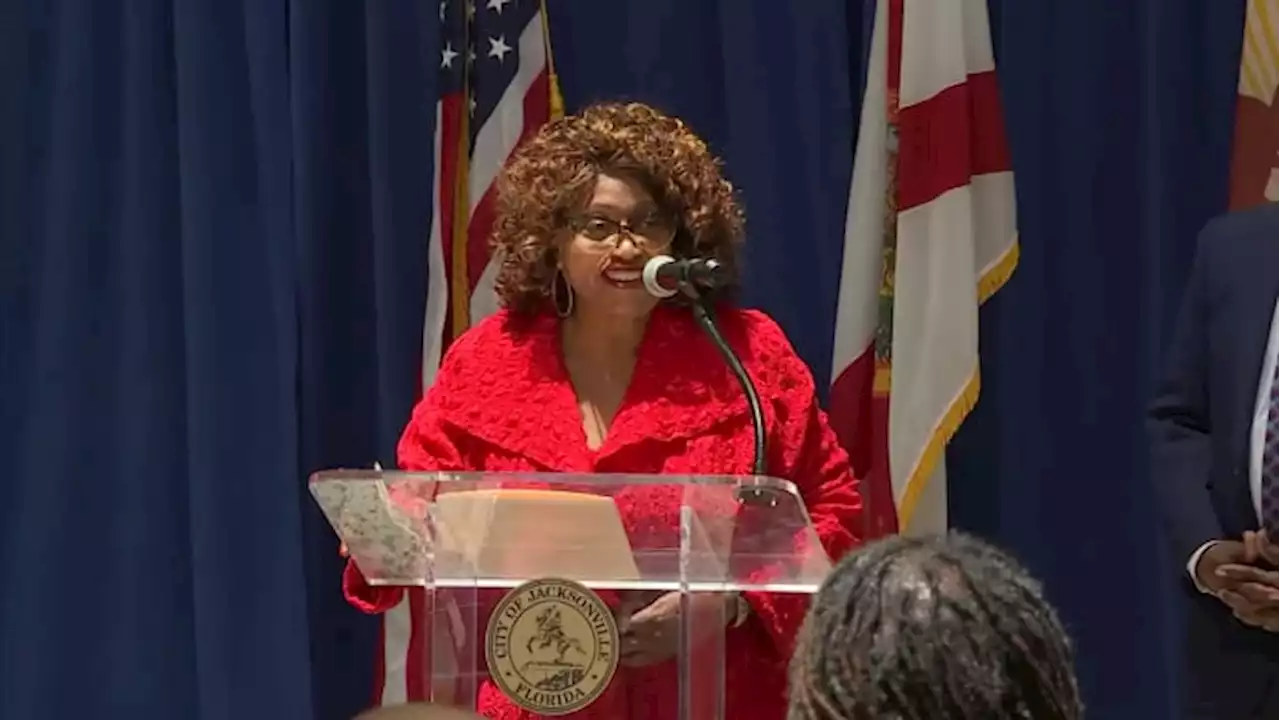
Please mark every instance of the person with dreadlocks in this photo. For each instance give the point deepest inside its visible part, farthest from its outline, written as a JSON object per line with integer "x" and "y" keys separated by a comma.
{"x": 935, "y": 628}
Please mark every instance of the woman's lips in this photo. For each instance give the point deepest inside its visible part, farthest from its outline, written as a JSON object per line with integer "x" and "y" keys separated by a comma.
{"x": 623, "y": 277}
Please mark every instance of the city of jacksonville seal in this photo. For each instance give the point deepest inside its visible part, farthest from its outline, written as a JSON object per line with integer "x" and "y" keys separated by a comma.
{"x": 552, "y": 646}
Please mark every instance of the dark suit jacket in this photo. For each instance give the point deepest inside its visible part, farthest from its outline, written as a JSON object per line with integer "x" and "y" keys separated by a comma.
{"x": 1199, "y": 428}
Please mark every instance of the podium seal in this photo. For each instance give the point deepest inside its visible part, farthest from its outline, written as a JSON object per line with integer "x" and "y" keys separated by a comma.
{"x": 552, "y": 646}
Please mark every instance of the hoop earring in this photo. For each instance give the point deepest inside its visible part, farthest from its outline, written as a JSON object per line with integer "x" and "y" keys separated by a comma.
{"x": 563, "y": 308}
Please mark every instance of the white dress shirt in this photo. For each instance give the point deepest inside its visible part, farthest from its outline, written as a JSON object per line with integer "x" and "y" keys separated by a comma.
{"x": 1257, "y": 437}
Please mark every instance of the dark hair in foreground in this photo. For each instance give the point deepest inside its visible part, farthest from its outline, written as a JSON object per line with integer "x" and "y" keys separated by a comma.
{"x": 551, "y": 178}
{"x": 938, "y": 628}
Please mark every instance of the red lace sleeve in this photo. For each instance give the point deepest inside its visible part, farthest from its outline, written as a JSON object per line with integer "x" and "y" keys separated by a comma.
{"x": 804, "y": 450}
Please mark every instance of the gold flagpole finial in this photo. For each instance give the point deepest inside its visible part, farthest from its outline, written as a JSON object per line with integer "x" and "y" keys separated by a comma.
{"x": 557, "y": 99}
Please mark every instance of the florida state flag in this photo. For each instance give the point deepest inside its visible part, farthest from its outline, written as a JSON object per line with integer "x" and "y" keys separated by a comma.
{"x": 1253, "y": 156}
{"x": 930, "y": 233}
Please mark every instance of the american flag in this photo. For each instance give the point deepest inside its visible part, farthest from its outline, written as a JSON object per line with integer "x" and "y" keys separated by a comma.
{"x": 497, "y": 86}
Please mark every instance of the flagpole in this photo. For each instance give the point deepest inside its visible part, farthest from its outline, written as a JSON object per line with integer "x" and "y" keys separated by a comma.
{"x": 460, "y": 240}
{"x": 557, "y": 100}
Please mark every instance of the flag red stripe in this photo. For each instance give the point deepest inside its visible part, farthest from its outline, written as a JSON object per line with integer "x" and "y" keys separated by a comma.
{"x": 861, "y": 423}
{"x": 893, "y": 59}
{"x": 1253, "y": 152}
{"x": 851, "y": 409}
{"x": 990, "y": 142}
{"x": 537, "y": 105}
{"x": 478, "y": 237}
{"x": 536, "y": 109}
{"x": 417, "y": 661}
{"x": 946, "y": 140}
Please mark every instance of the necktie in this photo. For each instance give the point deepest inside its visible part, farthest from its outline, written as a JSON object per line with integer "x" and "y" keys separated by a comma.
{"x": 1270, "y": 460}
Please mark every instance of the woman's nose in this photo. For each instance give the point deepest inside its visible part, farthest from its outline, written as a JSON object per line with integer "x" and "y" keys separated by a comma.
{"x": 627, "y": 248}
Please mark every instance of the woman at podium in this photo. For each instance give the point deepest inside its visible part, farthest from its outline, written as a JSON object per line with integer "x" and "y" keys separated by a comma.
{"x": 584, "y": 370}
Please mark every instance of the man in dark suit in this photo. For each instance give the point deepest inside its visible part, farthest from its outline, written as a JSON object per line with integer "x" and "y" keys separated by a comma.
{"x": 1213, "y": 445}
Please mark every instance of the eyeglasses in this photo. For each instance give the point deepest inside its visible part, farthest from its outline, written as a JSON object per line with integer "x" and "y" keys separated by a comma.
{"x": 650, "y": 231}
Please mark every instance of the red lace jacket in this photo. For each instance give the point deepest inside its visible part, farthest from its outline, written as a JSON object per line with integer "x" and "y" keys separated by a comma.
{"x": 503, "y": 402}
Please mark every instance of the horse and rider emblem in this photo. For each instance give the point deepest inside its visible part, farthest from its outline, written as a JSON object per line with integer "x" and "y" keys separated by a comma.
{"x": 552, "y": 646}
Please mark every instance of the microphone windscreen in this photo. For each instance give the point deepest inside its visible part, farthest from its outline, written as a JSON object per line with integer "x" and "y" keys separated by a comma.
{"x": 652, "y": 283}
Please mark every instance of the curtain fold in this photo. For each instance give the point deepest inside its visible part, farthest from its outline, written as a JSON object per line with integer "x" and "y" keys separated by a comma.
{"x": 151, "y": 553}
{"x": 1120, "y": 117}
{"x": 362, "y": 100}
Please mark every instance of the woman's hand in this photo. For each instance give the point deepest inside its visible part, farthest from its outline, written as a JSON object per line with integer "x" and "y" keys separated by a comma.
{"x": 651, "y": 634}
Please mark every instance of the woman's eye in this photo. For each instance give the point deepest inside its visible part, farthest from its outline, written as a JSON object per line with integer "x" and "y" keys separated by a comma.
{"x": 597, "y": 228}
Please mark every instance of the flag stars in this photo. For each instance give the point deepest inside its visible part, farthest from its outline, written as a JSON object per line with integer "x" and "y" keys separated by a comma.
{"x": 444, "y": 6}
{"x": 496, "y": 5}
{"x": 498, "y": 48}
{"x": 447, "y": 56}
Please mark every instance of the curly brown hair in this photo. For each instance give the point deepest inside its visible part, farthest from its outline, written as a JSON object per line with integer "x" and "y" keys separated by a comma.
{"x": 551, "y": 177}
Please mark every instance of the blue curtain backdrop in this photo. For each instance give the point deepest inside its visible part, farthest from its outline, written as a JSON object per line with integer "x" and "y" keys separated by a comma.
{"x": 1120, "y": 118}
{"x": 213, "y": 219}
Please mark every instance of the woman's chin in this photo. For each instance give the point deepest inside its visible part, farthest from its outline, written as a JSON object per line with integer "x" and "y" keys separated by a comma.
{"x": 621, "y": 303}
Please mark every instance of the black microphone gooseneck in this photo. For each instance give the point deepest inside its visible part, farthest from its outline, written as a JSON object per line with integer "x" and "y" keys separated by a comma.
{"x": 705, "y": 318}
{"x": 707, "y": 322}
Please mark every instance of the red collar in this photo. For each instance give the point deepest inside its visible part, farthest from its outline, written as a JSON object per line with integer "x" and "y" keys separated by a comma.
{"x": 506, "y": 385}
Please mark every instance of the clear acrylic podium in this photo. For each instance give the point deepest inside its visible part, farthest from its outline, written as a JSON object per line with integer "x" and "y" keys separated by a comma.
{"x": 529, "y": 578}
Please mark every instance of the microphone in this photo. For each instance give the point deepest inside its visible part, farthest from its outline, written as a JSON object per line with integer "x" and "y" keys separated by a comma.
{"x": 664, "y": 276}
